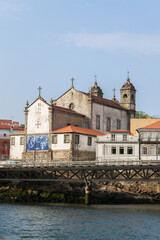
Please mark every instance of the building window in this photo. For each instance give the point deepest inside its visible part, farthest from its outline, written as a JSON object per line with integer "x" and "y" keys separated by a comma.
{"x": 108, "y": 127}
{"x": 97, "y": 122}
{"x": 71, "y": 106}
{"x": 118, "y": 124}
{"x": 144, "y": 136}
{"x": 89, "y": 141}
{"x": 129, "y": 150}
{"x": 113, "y": 137}
{"x": 12, "y": 140}
{"x": 158, "y": 150}
{"x": 106, "y": 150}
{"x": 144, "y": 150}
{"x": 66, "y": 138}
{"x": 54, "y": 139}
{"x": 152, "y": 136}
{"x": 158, "y": 136}
{"x": 113, "y": 150}
{"x": 4, "y": 135}
{"x": 125, "y": 96}
{"x": 77, "y": 139}
{"x": 121, "y": 150}
{"x": 152, "y": 151}
{"x": 21, "y": 140}
{"x": 124, "y": 137}
{"x": 68, "y": 124}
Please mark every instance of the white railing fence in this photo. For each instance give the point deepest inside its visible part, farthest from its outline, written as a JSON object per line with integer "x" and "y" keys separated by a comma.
{"x": 64, "y": 163}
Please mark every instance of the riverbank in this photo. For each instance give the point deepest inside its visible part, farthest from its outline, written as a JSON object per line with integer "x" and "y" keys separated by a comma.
{"x": 102, "y": 193}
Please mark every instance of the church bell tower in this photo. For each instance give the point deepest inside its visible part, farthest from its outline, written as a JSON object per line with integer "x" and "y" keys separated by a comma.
{"x": 128, "y": 97}
{"x": 96, "y": 90}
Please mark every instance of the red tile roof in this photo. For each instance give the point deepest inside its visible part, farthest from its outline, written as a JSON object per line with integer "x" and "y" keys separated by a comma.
{"x": 155, "y": 125}
{"x": 105, "y": 101}
{"x": 67, "y": 110}
{"x": 7, "y": 124}
{"x": 75, "y": 129}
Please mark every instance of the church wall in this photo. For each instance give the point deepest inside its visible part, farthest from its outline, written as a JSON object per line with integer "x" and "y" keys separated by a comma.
{"x": 80, "y": 101}
{"x": 38, "y": 113}
{"x": 17, "y": 149}
{"x": 108, "y": 112}
{"x": 62, "y": 119}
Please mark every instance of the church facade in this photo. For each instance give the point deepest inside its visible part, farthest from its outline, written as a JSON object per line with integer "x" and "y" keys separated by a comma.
{"x": 74, "y": 108}
{"x": 100, "y": 113}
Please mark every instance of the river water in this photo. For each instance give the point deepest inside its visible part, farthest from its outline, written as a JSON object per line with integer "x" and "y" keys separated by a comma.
{"x": 63, "y": 221}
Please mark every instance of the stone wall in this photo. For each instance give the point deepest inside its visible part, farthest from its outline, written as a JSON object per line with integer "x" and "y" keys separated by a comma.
{"x": 62, "y": 119}
{"x": 80, "y": 104}
{"x": 112, "y": 113}
{"x": 39, "y": 156}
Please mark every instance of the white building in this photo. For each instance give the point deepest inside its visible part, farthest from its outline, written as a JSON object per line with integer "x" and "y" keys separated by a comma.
{"x": 74, "y": 143}
{"x": 150, "y": 141}
{"x": 118, "y": 145}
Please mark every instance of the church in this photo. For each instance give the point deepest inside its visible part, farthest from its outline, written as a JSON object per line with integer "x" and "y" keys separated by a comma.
{"x": 88, "y": 114}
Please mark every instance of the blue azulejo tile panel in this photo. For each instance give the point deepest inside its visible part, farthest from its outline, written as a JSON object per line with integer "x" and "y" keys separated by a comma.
{"x": 37, "y": 142}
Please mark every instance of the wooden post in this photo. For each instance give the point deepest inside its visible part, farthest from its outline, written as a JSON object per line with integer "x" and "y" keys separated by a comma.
{"x": 87, "y": 195}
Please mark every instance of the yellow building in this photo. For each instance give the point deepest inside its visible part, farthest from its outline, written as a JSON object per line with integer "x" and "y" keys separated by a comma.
{"x": 136, "y": 123}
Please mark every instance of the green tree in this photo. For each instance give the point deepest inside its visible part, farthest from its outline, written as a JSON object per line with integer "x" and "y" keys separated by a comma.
{"x": 141, "y": 114}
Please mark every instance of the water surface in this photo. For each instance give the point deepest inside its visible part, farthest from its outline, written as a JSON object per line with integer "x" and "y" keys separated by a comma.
{"x": 60, "y": 221}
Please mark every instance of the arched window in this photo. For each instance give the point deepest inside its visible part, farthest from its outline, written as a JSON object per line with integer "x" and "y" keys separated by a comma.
{"x": 125, "y": 96}
{"x": 132, "y": 97}
{"x": 71, "y": 106}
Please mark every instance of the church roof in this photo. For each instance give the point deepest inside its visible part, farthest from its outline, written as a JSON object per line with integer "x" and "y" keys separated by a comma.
{"x": 74, "y": 129}
{"x": 100, "y": 100}
{"x": 105, "y": 101}
{"x": 67, "y": 110}
{"x": 39, "y": 98}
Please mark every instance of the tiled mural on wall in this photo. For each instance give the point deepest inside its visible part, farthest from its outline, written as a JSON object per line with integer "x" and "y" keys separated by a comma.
{"x": 38, "y": 142}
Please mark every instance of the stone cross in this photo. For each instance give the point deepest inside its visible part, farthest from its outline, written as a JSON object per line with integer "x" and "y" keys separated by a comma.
{"x": 114, "y": 92}
{"x": 72, "y": 79}
{"x": 39, "y": 91}
{"x": 95, "y": 79}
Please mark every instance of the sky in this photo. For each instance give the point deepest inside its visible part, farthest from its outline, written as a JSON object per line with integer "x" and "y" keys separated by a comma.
{"x": 47, "y": 42}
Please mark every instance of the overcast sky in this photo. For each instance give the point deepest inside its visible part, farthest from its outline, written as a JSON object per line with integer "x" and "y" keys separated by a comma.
{"x": 47, "y": 42}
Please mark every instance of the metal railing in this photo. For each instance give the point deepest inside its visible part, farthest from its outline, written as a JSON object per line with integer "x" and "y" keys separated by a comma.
{"x": 31, "y": 164}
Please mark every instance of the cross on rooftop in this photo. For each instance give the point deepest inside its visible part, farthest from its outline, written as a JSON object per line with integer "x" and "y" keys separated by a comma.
{"x": 114, "y": 92}
{"x": 39, "y": 91}
{"x": 72, "y": 79}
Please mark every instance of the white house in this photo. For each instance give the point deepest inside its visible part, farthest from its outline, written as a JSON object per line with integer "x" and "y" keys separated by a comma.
{"x": 74, "y": 143}
{"x": 150, "y": 141}
{"x": 117, "y": 145}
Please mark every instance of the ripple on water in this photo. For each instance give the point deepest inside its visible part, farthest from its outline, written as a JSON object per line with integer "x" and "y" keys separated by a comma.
{"x": 59, "y": 222}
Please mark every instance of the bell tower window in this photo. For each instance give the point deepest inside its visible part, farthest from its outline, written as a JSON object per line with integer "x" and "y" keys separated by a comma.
{"x": 125, "y": 96}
